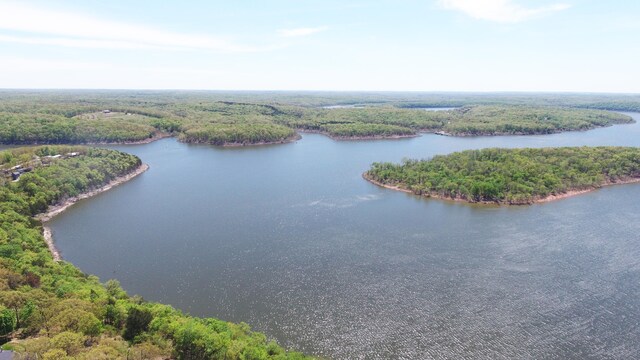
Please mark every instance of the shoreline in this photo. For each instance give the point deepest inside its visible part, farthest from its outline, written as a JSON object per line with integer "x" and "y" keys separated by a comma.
{"x": 288, "y": 140}
{"x": 155, "y": 137}
{"x": 54, "y": 210}
{"x": 373, "y": 137}
{"x": 546, "y": 199}
{"x": 356, "y": 138}
{"x": 440, "y": 132}
{"x": 498, "y": 133}
{"x": 571, "y": 193}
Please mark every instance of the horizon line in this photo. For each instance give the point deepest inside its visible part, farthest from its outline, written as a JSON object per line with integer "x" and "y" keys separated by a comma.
{"x": 333, "y": 91}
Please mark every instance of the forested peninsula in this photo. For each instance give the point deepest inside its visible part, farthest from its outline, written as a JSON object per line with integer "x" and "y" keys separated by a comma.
{"x": 477, "y": 120}
{"x": 69, "y": 118}
{"x": 511, "y": 176}
{"x": 51, "y": 310}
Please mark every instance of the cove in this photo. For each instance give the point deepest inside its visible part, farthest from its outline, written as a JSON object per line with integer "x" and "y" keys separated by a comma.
{"x": 290, "y": 239}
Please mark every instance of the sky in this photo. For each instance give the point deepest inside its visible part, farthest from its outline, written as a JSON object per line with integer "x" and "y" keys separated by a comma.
{"x": 375, "y": 45}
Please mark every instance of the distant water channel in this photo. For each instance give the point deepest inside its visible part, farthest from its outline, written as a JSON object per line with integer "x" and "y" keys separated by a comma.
{"x": 290, "y": 239}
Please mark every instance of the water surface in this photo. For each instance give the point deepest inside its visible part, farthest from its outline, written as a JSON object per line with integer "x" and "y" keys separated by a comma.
{"x": 291, "y": 239}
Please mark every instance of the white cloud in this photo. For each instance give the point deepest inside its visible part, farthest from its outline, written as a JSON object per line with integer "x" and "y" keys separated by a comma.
{"x": 299, "y": 32}
{"x": 79, "y": 43}
{"x": 13, "y": 64}
{"x": 504, "y": 11}
{"x": 79, "y": 30}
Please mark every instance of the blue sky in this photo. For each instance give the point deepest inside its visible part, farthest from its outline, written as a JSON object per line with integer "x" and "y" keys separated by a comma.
{"x": 399, "y": 45}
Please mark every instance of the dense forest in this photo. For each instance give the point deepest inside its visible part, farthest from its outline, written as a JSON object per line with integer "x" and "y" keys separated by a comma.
{"x": 510, "y": 176}
{"x": 238, "y": 134}
{"x": 520, "y": 120}
{"x": 464, "y": 121}
{"x": 97, "y": 99}
{"x": 51, "y": 310}
{"x": 58, "y": 117}
{"x": 23, "y": 128}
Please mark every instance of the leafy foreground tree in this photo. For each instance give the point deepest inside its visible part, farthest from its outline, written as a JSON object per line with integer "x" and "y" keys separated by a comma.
{"x": 51, "y": 310}
{"x": 511, "y": 176}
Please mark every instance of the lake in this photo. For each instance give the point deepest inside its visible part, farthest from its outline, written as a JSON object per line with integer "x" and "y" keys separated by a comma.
{"x": 290, "y": 239}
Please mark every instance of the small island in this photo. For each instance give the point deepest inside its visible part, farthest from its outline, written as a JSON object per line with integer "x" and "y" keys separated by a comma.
{"x": 511, "y": 176}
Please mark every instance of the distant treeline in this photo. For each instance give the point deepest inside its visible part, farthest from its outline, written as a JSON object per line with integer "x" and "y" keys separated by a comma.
{"x": 51, "y": 310}
{"x": 21, "y": 128}
{"x": 521, "y": 120}
{"x": 255, "y": 118}
{"x": 465, "y": 121}
{"x": 511, "y": 176}
{"x": 98, "y": 99}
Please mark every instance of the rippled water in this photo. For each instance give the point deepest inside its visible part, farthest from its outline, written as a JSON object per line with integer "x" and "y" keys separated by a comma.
{"x": 292, "y": 240}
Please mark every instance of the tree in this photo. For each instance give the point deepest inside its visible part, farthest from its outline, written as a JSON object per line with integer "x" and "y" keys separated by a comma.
{"x": 68, "y": 341}
{"x": 138, "y": 320}
{"x": 7, "y": 322}
{"x": 16, "y": 301}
